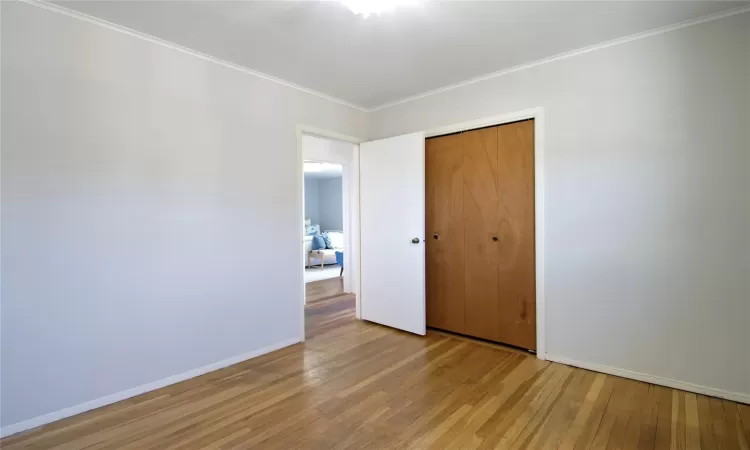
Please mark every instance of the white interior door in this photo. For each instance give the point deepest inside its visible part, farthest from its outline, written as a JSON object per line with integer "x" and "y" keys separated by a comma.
{"x": 392, "y": 214}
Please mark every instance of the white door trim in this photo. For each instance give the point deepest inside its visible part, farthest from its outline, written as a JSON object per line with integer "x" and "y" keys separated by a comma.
{"x": 538, "y": 115}
{"x": 353, "y": 211}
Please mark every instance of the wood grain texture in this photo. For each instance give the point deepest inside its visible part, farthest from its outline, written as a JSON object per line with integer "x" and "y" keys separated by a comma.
{"x": 323, "y": 289}
{"x": 481, "y": 222}
{"x": 444, "y": 211}
{"x": 481, "y": 271}
{"x": 354, "y": 384}
{"x": 516, "y": 266}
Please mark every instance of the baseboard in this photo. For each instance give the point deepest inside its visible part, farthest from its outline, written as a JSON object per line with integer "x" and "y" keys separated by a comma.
{"x": 142, "y": 389}
{"x": 653, "y": 379}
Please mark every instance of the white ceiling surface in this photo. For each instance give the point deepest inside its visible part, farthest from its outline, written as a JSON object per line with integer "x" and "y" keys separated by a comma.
{"x": 371, "y": 62}
{"x": 321, "y": 176}
{"x": 330, "y": 171}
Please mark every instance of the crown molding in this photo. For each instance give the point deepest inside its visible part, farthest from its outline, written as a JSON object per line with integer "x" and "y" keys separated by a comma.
{"x": 154, "y": 40}
{"x": 560, "y": 56}
{"x": 569, "y": 54}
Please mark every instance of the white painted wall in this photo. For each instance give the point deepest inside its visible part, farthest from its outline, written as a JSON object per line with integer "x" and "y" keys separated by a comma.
{"x": 139, "y": 186}
{"x": 330, "y": 204}
{"x": 647, "y": 172}
{"x": 311, "y": 199}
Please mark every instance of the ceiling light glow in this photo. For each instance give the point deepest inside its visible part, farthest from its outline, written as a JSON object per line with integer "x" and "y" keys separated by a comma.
{"x": 315, "y": 167}
{"x": 367, "y": 7}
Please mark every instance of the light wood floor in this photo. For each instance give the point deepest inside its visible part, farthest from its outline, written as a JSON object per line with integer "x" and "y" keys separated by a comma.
{"x": 323, "y": 289}
{"x": 354, "y": 384}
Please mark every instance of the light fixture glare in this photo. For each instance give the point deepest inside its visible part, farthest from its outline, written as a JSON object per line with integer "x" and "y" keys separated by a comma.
{"x": 368, "y": 7}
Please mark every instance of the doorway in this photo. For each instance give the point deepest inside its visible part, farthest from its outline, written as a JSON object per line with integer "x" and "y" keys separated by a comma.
{"x": 390, "y": 274}
{"x": 328, "y": 209}
{"x": 324, "y": 222}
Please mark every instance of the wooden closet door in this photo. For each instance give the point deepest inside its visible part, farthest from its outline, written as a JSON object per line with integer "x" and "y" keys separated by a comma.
{"x": 481, "y": 221}
{"x": 516, "y": 238}
{"x": 444, "y": 233}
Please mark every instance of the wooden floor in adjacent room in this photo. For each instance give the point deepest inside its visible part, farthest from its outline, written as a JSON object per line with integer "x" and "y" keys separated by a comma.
{"x": 354, "y": 384}
{"x": 323, "y": 289}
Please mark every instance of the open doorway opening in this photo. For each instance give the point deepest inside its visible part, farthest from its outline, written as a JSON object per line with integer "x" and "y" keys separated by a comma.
{"x": 324, "y": 223}
{"x": 330, "y": 231}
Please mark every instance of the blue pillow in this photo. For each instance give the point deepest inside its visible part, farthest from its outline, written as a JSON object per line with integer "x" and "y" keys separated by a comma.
{"x": 318, "y": 243}
{"x": 327, "y": 240}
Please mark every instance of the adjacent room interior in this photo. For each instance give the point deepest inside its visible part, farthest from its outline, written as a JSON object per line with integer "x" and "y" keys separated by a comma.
{"x": 523, "y": 224}
{"x": 324, "y": 221}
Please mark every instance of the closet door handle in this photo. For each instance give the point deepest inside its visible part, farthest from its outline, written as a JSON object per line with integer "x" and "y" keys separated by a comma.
{"x": 436, "y": 236}
{"x": 494, "y": 238}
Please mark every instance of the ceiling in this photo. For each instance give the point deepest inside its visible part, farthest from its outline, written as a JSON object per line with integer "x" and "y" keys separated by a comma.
{"x": 375, "y": 61}
{"x": 315, "y": 170}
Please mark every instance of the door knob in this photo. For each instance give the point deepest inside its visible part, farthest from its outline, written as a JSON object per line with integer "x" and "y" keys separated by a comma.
{"x": 415, "y": 241}
{"x": 494, "y": 238}
{"x": 436, "y": 236}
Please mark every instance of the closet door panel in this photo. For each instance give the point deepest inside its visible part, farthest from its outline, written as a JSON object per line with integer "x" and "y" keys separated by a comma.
{"x": 516, "y": 253}
{"x": 481, "y": 222}
{"x": 444, "y": 233}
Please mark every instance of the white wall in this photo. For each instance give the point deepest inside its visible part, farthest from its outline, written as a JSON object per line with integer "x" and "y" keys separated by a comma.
{"x": 312, "y": 204}
{"x": 330, "y": 204}
{"x": 137, "y": 182}
{"x": 647, "y": 177}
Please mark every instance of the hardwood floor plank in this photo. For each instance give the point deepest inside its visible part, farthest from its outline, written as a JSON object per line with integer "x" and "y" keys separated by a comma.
{"x": 616, "y": 408}
{"x": 744, "y": 414}
{"x": 317, "y": 291}
{"x": 678, "y": 420}
{"x": 566, "y": 409}
{"x": 583, "y": 414}
{"x": 648, "y": 418}
{"x": 723, "y": 432}
{"x": 734, "y": 427}
{"x": 705, "y": 423}
{"x": 692, "y": 426}
{"x": 634, "y": 395}
{"x": 353, "y": 384}
{"x": 526, "y": 399}
{"x": 591, "y": 428}
{"x": 663, "y": 437}
{"x": 533, "y": 432}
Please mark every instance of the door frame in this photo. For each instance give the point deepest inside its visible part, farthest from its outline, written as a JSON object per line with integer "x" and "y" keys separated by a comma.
{"x": 538, "y": 115}
{"x": 351, "y": 187}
